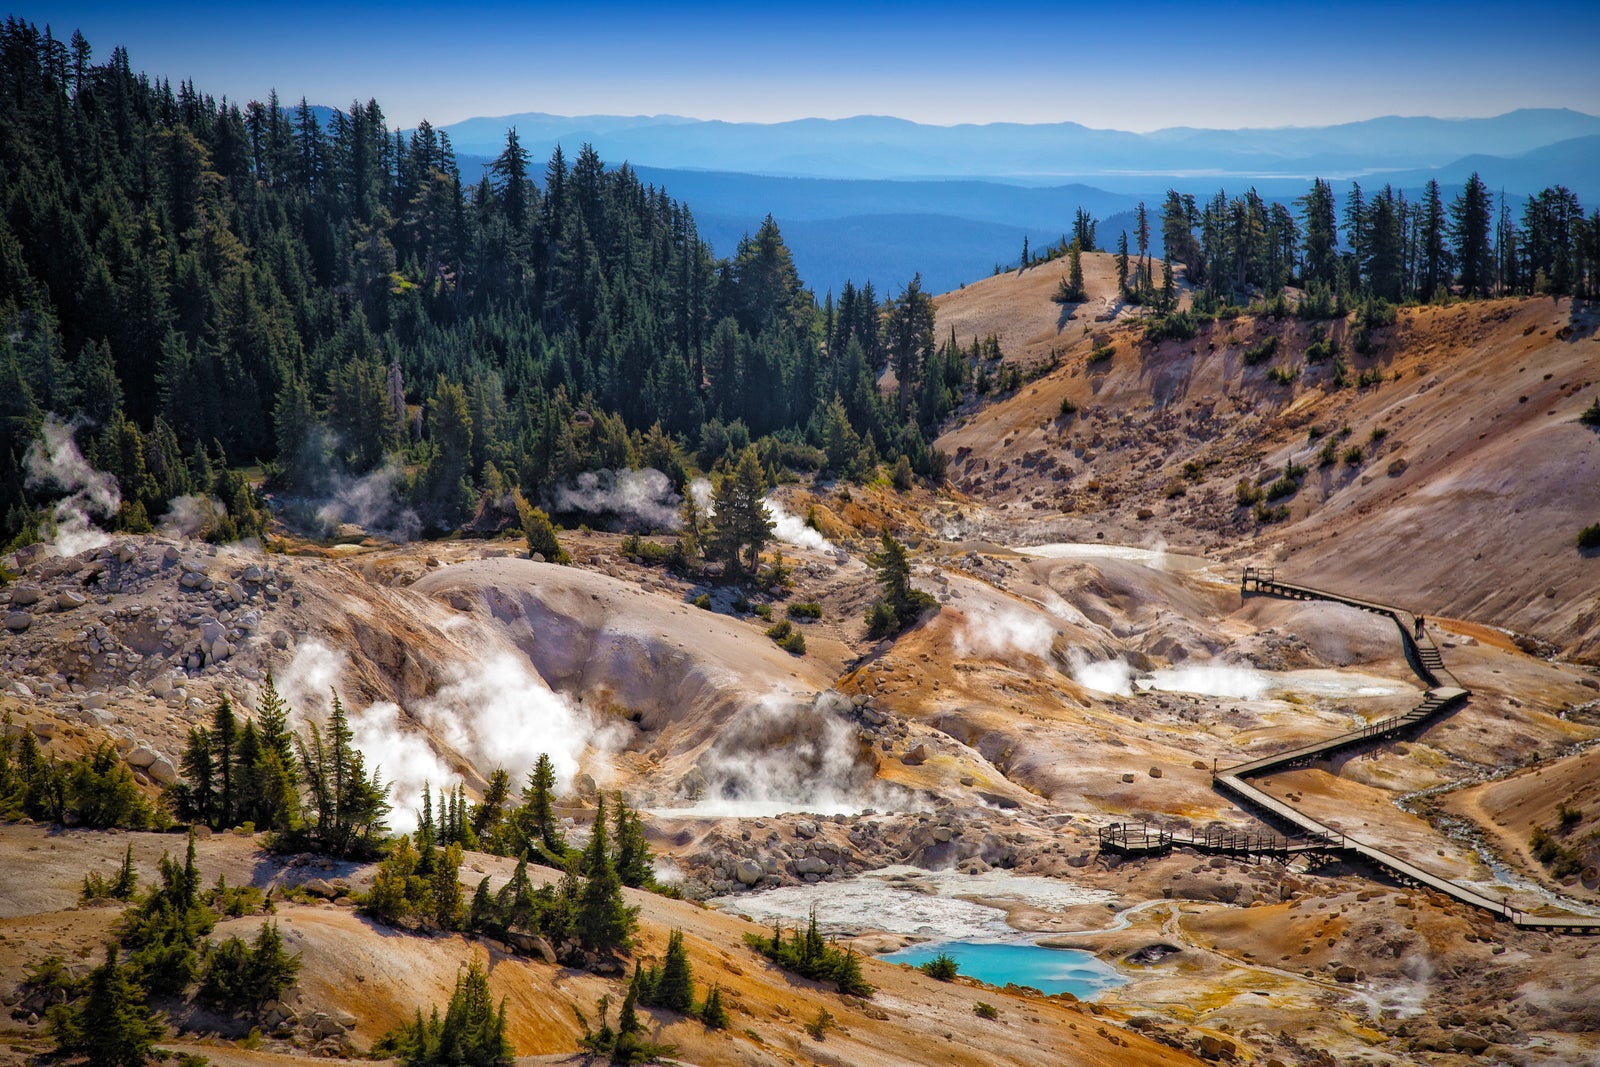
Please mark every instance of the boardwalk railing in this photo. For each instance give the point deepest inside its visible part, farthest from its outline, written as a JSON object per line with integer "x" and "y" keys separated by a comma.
{"x": 1444, "y": 694}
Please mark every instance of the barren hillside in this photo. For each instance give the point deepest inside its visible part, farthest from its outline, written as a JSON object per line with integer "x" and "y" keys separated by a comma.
{"x": 1464, "y": 451}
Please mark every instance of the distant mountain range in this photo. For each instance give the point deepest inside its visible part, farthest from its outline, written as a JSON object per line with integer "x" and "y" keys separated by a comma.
{"x": 872, "y": 198}
{"x": 875, "y": 147}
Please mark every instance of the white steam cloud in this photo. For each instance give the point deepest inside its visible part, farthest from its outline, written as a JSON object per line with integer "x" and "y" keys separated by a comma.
{"x": 640, "y": 499}
{"x": 1103, "y": 676}
{"x": 1001, "y": 632}
{"x": 372, "y": 502}
{"x": 497, "y": 714}
{"x": 792, "y": 530}
{"x": 786, "y": 527}
{"x": 54, "y": 460}
{"x": 1240, "y": 683}
{"x": 191, "y": 516}
{"x": 1115, "y": 677}
{"x": 778, "y": 754}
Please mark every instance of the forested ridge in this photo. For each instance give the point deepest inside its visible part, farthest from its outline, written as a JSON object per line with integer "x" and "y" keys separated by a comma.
{"x": 204, "y": 286}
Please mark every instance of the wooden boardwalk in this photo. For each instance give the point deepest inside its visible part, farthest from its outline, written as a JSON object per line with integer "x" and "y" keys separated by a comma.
{"x": 1444, "y": 694}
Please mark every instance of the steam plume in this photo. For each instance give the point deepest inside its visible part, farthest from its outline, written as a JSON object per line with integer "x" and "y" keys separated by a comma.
{"x": 642, "y": 499}
{"x": 54, "y": 460}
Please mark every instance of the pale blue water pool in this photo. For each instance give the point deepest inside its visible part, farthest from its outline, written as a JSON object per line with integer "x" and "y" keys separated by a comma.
{"x": 1050, "y": 970}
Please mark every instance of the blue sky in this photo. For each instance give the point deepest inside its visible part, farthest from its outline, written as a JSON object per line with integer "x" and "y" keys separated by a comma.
{"x": 1104, "y": 65}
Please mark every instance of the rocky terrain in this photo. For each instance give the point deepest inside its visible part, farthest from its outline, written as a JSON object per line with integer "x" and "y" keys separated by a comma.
{"x": 1091, "y": 663}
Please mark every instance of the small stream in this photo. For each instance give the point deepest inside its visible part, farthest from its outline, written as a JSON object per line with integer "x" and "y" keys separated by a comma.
{"x": 1466, "y": 833}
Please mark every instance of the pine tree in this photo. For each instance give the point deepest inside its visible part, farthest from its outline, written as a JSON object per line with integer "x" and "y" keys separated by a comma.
{"x": 1122, "y": 264}
{"x": 741, "y": 526}
{"x": 537, "y": 824}
{"x": 224, "y": 737}
{"x": 604, "y": 922}
{"x": 1469, "y": 215}
{"x": 713, "y": 1014}
{"x": 675, "y": 989}
{"x": 113, "y": 1028}
{"x": 633, "y": 851}
{"x": 901, "y": 605}
{"x": 1433, "y": 266}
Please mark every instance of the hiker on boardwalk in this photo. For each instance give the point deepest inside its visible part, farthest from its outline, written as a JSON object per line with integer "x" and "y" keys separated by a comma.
{"x": 1419, "y": 627}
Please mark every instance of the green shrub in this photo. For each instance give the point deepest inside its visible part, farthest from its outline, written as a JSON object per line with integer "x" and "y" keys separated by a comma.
{"x": 804, "y": 609}
{"x": 818, "y": 1028}
{"x": 984, "y": 1010}
{"x": 943, "y": 967}
{"x": 1261, "y": 352}
{"x": 1102, "y": 354}
{"x": 1175, "y": 326}
{"x": 810, "y": 956}
{"x": 1352, "y": 456}
{"x": 703, "y": 601}
{"x": 1589, "y": 537}
{"x": 1266, "y": 515}
{"x": 1282, "y": 375}
{"x": 764, "y": 611}
{"x": 1068, "y": 408}
{"x": 1246, "y": 493}
{"x": 1329, "y": 454}
{"x": 1591, "y": 415}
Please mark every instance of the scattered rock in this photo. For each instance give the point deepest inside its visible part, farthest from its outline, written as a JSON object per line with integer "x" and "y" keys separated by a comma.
{"x": 18, "y": 621}
{"x": 917, "y": 756}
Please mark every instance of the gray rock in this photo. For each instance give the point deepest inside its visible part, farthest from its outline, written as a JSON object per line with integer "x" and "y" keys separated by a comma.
{"x": 531, "y": 945}
{"x": 161, "y": 771}
{"x": 252, "y": 574}
{"x": 812, "y": 865}
{"x": 917, "y": 756}
{"x": 748, "y": 872}
{"x": 192, "y": 579}
{"x": 320, "y": 887}
{"x": 170, "y": 555}
{"x": 69, "y": 599}
{"x": 18, "y": 621}
{"x": 142, "y": 756}
{"x": 806, "y": 830}
{"x": 23, "y": 595}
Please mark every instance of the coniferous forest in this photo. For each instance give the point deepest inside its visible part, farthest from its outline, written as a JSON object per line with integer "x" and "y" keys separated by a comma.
{"x": 207, "y": 288}
{"x": 215, "y": 297}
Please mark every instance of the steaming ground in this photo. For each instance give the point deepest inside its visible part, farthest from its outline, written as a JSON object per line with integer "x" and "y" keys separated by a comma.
{"x": 1063, "y": 686}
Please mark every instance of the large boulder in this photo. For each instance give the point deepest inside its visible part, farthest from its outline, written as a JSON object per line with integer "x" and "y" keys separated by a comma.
{"x": 748, "y": 872}
{"x": 531, "y": 945}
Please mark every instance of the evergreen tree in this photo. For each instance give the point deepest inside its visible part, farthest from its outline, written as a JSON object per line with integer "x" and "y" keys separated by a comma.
{"x": 1434, "y": 266}
{"x": 900, "y": 605}
{"x": 675, "y": 988}
{"x": 537, "y": 825}
{"x": 604, "y": 922}
{"x": 713, "y": 1014}
{"x": 1469, "y": 216}
{"x": 112, "y": 1028}
{"x": 633, "y": 851}
{"x": 741, "y": 526}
